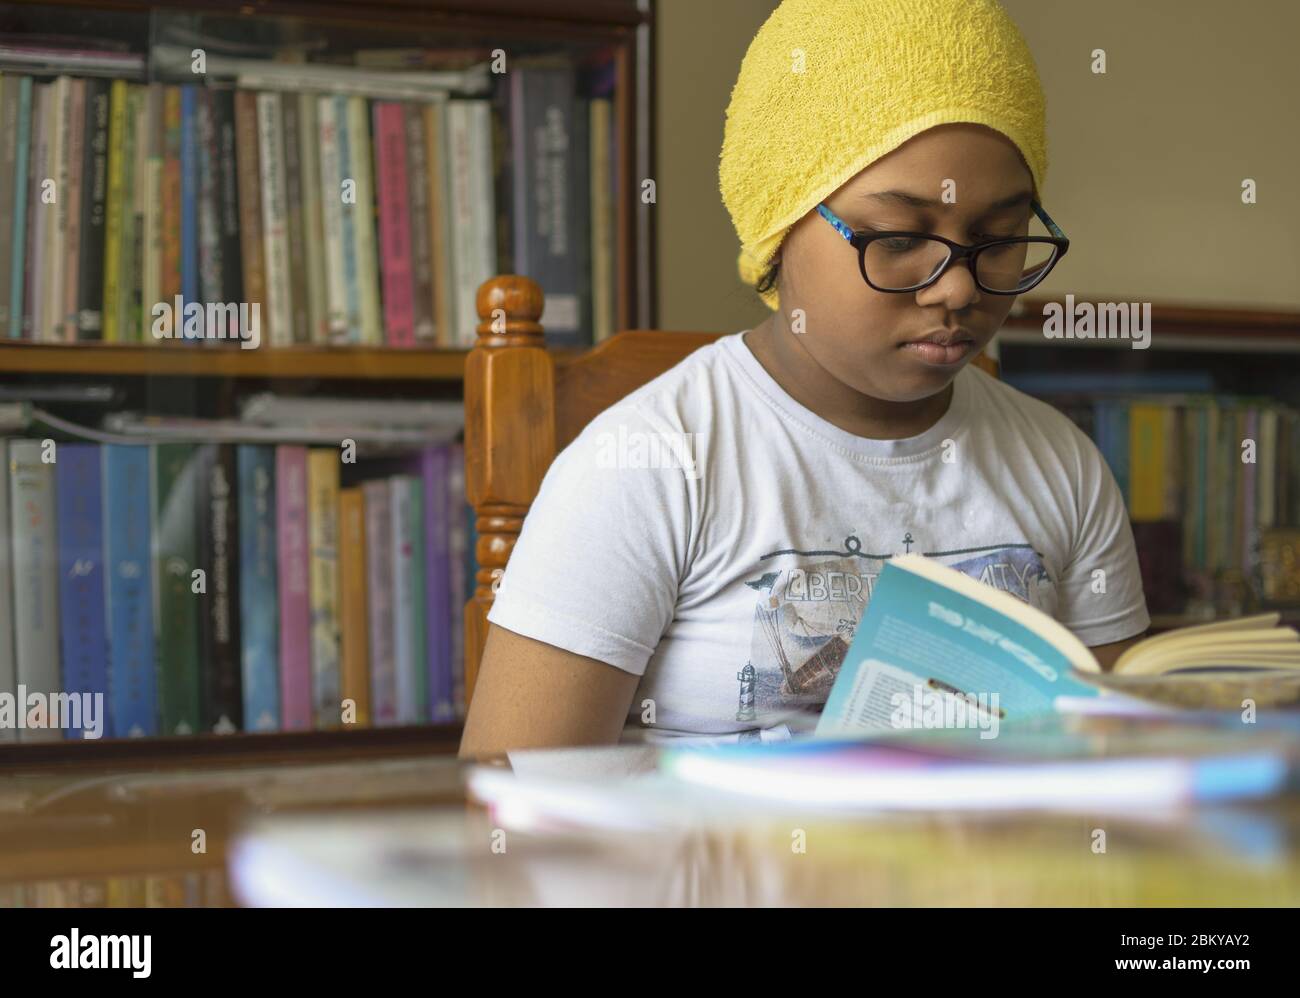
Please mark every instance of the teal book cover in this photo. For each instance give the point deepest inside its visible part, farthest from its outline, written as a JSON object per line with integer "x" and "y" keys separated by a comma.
{"x": 938, "y": 649}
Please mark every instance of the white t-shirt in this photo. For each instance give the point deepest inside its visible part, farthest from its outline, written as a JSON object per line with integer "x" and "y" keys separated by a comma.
{"x": 715, "y": 537}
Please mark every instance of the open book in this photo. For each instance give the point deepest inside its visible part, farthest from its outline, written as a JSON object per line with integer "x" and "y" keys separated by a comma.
{"x": 935, "y": 648}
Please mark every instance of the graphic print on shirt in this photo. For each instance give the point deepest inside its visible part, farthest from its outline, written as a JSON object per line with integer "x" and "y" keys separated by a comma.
{"x": 809, "y": 608}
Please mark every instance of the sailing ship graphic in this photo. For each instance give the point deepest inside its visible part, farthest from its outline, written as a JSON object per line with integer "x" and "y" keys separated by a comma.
{"x": 806, "y": 613}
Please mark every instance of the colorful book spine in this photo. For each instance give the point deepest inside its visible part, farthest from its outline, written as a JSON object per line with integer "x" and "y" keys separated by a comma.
{"x": 363, "y": 219}
{"x": 139, "y": 189}
{"x": 438, "y": 597}
{"x": 296, "y": 236}
{"x": 440, "y": 241}
{"x": 354, "y": 653}
{"x": 17, "y": 245}
{"x": 169, "y": 275}
{"x": 293, "y": 581}
{"x": 460, "y": 205}
{"x": 84, "y": 651}
{"x": 8, "y": 668}
{"x": 331, "y": 181}
{"x": 94, "y": 212}
{"x": 543, "y": 113}
{"x": 51, "y": 329}
{"x": 394, "y": 222}
{"x": 131, "y": 675}
{"x": 247, "y": 162}
{"x": 379, "y": 595}
{"x": 190, "y": 197}
{"x": 219, "y": 642}
{"x": 128, "y": 260}
{"x": 208, "y": 157}
{"x": 8, "y": 167}
{"x": 313, "y": 220}
{"x": 408, "y": 599}
{"x": 461, "y": 558}
{"x": 232, "y": 274}
{"x": 323, "y": 532}
{"x": 151, "y": 240}
{"x": 275, "y": 236}
{"x": 38, "y": 214}
{"x": 35, "y": 576}
{"x": 259, "y": 619}
{"x": 74, "y": 160}
{"x": 417, "y": 166}
{"x": 349, "y": 213}
{"x": 177, "y": 604}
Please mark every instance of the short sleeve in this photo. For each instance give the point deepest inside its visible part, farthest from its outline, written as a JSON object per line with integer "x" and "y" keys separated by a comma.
{"x": 1101, "y": 598}
{"x": 603, "y": 548}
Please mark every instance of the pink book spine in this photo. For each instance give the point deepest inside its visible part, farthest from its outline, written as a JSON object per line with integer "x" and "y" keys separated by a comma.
{"x": 295, "y": 600}
{"x": 394, "y": 223}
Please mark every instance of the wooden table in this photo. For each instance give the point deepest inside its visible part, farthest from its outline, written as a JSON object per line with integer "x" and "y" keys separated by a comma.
{"x": 398, "y": 831}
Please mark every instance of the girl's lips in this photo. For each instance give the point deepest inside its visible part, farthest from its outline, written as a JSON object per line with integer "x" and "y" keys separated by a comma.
{"x": 938, "y": 355}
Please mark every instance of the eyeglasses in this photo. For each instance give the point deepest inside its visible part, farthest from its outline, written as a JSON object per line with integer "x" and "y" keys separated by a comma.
{"x": 900, "y": 262}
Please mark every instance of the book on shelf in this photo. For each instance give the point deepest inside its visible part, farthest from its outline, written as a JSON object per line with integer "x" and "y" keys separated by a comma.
{"x": 1208, "y": 478}
{"x": 340, "y": 204}
{"x": 934, "y": 645}
{"x": 218, "y": 587}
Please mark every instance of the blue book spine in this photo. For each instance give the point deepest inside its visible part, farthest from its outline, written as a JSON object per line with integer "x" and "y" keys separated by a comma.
{"x": 258, "y": 588}
{"x": 130, "y": 590}
{"x": 84, "y": 635}
{"x": 189, "y": 200}
{"x": 19, "y": 233}
{"x": 350, "y": 268}
{"x": 1120, "y": 446}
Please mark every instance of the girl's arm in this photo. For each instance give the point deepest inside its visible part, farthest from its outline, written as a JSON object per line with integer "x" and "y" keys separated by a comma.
{"x": 1107, "y": 654}
{"x": 529, "y": 694}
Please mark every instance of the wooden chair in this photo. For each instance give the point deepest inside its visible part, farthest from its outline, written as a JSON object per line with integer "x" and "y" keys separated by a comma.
{"x": 524, "y": 404}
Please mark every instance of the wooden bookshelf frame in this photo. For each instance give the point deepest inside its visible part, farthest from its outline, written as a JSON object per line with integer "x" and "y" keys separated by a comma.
{"x": 242, "y": 747}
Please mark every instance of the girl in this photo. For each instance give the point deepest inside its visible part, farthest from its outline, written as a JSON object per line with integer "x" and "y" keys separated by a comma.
{"x": 697, "y": 560}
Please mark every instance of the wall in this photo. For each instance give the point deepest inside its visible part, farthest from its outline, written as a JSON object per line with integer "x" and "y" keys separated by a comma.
{"x": 1146, "y": 161}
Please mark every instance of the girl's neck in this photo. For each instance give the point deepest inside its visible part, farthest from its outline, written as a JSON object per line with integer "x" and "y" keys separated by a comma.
{"x": 816, "y": 389}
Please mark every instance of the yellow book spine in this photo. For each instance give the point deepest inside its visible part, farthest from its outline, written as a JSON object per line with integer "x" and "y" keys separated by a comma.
{"x": 1147, "y": 462}
{"x": 114, "y": 205}
{"x": 354, "y": 634}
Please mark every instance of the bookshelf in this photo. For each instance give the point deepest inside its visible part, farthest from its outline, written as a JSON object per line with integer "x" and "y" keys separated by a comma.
{"x": 604, "y": 46}
{"x": 1232, "y": 363}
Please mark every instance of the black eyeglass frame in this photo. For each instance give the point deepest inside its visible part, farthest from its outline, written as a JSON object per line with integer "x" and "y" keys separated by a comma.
{"x": 956, "y": 251}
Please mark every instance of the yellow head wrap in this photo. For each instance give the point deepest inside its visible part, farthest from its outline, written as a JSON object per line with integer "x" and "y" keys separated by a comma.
{"x": 830, "y": 86}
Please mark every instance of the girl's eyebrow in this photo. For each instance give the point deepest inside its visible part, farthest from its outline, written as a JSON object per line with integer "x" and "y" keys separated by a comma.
{"x": 915, "y": 201}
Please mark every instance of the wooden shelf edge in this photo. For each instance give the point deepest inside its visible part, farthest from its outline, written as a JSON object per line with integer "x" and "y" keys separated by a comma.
{"x": 278, "y": 746}
{"x": 183, "y": 360}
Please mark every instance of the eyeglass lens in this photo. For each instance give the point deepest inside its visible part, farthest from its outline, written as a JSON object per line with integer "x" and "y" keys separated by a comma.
{"x": 898, "y": 263}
